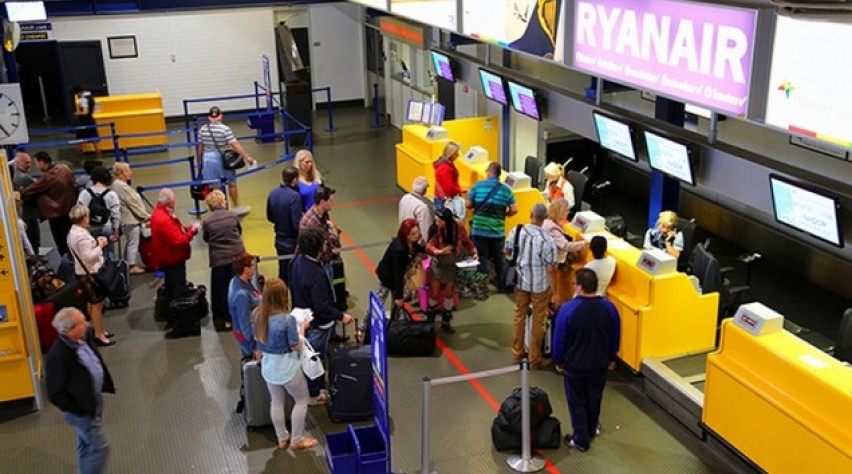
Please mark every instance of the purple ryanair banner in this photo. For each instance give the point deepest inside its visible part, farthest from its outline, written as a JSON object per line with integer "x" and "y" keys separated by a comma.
{"x": 694, "y": 52}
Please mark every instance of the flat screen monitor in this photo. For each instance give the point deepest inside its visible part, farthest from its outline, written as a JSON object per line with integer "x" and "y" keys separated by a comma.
{"x": 669, "y": 157}
{"x": 805, "y": 209}
{"x": 443, "y": 66}
{"x": 524, "y": 100}
{"x": 493, "y": 86}
{"x": 615, "y": 136}
{"x": 26, "y": 11}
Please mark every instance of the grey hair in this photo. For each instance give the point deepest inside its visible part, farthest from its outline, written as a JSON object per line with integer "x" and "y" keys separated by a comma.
{"x": 78, "y": 213}
{"x": 64, "y": 319}
{"x": 539, "y": 212}
{"x": 420, "y": 185}
{"x": 166, "y": 195}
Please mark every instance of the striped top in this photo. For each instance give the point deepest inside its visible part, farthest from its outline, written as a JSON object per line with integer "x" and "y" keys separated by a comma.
{"x": 536, "y": 251}
{"x": 215, "y": 136}
{"x": 489, "y": 217}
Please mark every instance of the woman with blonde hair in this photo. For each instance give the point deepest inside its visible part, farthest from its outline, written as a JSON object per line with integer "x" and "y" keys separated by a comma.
{"x": 560, "y": 275}
{"x": 310, "y": 178}
{"x": 222, "y": 231}
{"x": 280, "y": 339}
{"x": 556, "y": 185}
{"x": 88, "y": 255}
{"x": 664, "y": 235}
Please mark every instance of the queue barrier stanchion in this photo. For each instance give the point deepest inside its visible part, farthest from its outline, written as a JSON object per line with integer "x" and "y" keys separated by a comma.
{"x": 376, "y": 123}
{"x": 524, "y": 462}
{"x": 329, "y": 113}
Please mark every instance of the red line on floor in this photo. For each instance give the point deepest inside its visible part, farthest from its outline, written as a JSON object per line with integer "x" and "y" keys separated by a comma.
{"x": 366, "y": 202}
{"x": 450, "y": 355}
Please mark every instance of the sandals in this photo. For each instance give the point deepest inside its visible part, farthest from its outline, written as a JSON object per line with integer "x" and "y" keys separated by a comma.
{"x": 284, "y": 444}
{"x": 304, "y": 443}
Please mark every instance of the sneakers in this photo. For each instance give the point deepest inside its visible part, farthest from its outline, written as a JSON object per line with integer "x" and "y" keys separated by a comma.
{"x": 569, "y": 441}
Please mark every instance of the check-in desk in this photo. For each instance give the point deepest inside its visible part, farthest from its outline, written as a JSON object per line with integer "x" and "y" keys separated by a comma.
{"x": 131, "y": 113}
{"x": 661, "y": 315}
{"x": 782, "y": 403}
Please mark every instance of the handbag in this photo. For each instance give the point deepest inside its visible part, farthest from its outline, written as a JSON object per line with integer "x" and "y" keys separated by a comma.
{"x": 407, "y": 337}
{"x": 231, "y": 160}
{"x": 510, "y": 278}
{"x": 311, "y": 361}
{"x": 107, "y": 277}
{"x": 199, "y": 192}
{"x": 415, "y": 274}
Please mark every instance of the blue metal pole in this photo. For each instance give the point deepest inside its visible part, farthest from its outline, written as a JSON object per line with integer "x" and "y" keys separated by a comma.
{"x": 256, "y": 99}
{"x": 186, "y": 119}
{"x": 376, "y": 105}
{"x": 115, "y": 147}
{"x": 330, "y": 127}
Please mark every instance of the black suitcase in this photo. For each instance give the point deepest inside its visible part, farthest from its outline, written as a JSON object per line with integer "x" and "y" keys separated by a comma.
{"x": 350, "y": 379}
{"x": 339, "y": 283}
{"x": 616, "y": 225}
{"x": 120, "y": 298}
{"x": 161, "y": 305}
{"x": 72, "y": 294}
{"x": 65, "y": 271}
{"x": 185, "y": 313}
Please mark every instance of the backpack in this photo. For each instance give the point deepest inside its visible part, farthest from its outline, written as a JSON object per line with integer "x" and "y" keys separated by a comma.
{"x": 98, "y": 211}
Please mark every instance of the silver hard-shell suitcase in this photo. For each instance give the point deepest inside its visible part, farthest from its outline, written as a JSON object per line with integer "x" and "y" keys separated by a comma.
{"x": 255, "y": 396}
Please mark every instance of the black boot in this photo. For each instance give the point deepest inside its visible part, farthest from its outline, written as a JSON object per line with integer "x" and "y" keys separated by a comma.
{"x": 431, "y": 313}
{"x": 446, "y": 317}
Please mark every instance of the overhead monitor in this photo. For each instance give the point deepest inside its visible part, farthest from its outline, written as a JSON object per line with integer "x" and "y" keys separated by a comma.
{"x": 806, "y": 209}
{"x": 25, "y": 11}
{"x": 615, "y": 136}
{"x": 493, "y": 86}
{"x": 443, "y": 65}
{"x": 670, "y": 157}
{"x": 440, "y": 13}
{"x": 809, "y": 88}
{"x": 524, "y": 100}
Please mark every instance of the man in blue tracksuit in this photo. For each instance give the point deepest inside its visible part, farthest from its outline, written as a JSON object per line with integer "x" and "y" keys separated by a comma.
{"x": 311, "y": 288}
{"x": 585, "y": 343}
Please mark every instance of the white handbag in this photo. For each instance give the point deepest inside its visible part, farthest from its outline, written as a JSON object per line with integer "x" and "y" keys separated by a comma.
{"x": 457, "y": 205}
{"x": 311, "y": 361}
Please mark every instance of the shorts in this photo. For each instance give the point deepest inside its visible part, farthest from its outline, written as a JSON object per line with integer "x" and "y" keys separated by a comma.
{"x": 213, "y": 169}
{"x": 86, "y": 133}
{"x": 94, "y": 293}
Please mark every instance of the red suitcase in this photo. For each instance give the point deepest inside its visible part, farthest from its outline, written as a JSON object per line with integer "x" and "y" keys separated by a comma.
{"x": 44, "y": 313}
{"x": 148, "y": 258}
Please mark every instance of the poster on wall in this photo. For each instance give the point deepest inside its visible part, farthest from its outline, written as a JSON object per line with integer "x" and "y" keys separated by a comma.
{"x": 377, "y": 4}
{"x": 440, "y": 13}
{"x": 809, "y": 92}
{"x": 697, "y": 53}
{"x": 531, "y": 26}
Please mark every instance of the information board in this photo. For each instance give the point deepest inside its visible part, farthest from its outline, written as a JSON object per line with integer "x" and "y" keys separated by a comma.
{"x": 440, "y": 13}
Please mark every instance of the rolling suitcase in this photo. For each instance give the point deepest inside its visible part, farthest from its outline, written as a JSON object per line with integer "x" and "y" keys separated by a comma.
{"x": 65, "y": 271}
{"x": 186, "y": 313}
{"x": 120, "y": 298}
{"x": 255, "y": 401}
{"x": 147, "y": 254}
{"x": 72, "y": 294}
{"x": 47, "y": 335}
{"x": 161, "y": 305}
{"x": 350, "y": 378}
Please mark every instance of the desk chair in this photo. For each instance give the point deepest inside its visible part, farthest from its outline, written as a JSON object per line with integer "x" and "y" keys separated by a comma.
{"x": 705, "y": 267}
{"x": 687, "y": 227}
{"x": 532, "y": 168}
{"x": 578, "y": 180}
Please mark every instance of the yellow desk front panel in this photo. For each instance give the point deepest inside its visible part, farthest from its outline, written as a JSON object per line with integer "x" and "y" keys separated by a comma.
{"x": 525, "y": 199}
{"x": 469, "y": 173}
{"x": 131, "y": 114}
{"x": 661, "y": 315}
{"x": 781, "y": 402}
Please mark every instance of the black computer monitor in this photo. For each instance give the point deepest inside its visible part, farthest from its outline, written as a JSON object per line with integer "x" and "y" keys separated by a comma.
{"x": 806, "y": 209}
{"x": 444, "y": 66}
{"x": 493, "y": 86}
{"x": 615, "y": 135}
{"x": 525, "y": 100}
{"x": 669, "y": 156}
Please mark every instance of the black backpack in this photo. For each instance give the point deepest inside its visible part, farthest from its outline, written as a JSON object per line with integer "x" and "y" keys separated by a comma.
{"x": 98, "y": 211}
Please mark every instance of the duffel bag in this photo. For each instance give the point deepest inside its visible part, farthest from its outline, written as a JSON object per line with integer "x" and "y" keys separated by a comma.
{"x": 407, "y": 336}
{"x": 540, "y": 409}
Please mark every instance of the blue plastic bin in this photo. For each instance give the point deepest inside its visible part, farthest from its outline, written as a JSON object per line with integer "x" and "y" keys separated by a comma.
{"x": 374, "y": 452}
{"x": 341, "y": 452}
{"x": 264, "y": 123}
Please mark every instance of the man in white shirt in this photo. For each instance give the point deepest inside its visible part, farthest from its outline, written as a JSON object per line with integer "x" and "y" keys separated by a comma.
{"x": 414, "y": 205}
{"x": 603, "y": 265}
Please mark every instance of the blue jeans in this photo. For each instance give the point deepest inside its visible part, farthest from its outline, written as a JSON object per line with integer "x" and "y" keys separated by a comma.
{"x": 439, "y": 206}
{"x": 491, "y": 249}
{"x": 92, "y": 443}
{"x": 319, "y": 341}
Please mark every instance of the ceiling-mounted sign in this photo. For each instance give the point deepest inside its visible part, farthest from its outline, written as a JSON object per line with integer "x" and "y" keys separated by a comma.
{"x": 440, "y": 13}
{"x": 694, "y": 52}
{"x": 404, "y": 31}
{"x": 531, "y": 26}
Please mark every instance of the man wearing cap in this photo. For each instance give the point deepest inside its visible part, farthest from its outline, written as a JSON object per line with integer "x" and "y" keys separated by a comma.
{"x": 215, "y": 137}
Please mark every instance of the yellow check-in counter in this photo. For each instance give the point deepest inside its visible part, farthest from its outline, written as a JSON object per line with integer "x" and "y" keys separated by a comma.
{"x": 779, "y": 401}
{"x": 661, "y": 315}
{"x": 131, "y": 113}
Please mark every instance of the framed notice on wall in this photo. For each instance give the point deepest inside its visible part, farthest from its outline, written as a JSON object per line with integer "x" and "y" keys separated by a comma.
{"x": 122, "y": 47}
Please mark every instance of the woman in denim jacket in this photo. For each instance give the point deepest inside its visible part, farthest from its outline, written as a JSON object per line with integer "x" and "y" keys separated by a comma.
{"x": 280, "y": 339}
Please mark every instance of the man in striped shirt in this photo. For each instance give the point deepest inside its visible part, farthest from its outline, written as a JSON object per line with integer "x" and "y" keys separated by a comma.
{"x": 536, "y": 254}
{"x": 215, "y": 137}
{"x": 491, "y": 202}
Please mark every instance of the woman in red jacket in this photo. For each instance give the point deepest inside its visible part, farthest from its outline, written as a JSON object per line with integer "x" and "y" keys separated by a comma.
{"x": 170, "y": 243}
{"x": 447, "y": 178}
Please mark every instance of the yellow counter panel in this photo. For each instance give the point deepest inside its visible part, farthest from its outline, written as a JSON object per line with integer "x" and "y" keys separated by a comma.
{"x": 781, "y": 402}
{"x": 661, "y": 315}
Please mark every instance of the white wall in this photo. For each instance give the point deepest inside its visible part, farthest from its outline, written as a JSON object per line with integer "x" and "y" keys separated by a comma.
{"x": 183, "y": 54}
{"x": 337, "y": 50}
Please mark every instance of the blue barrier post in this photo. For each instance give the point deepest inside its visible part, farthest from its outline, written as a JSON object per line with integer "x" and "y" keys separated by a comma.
{"x": 330, "y": 127}
{"x": 186, "y": 118}
{"x": 376, "y": 123}
{"x": 115, "y": 147}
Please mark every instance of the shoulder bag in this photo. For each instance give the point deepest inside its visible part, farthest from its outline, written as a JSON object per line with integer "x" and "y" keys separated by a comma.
{"x": 311, "y": 361}
{"x": 231, "y": 160}
{"x": 511, "y": 276}
{"x": 107, "y": 277}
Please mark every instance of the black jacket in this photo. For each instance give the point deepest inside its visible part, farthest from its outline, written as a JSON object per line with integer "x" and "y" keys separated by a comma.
{"x": 394, "y": 264}
{"x": 311, "y": 288}
{"x": 69, "y": 384}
